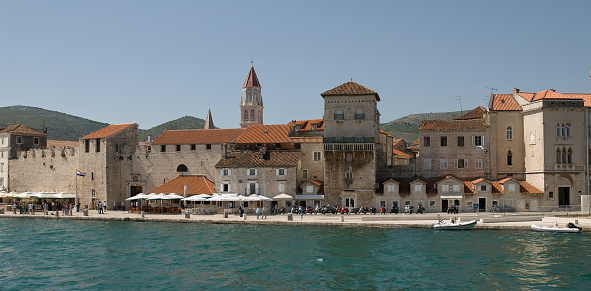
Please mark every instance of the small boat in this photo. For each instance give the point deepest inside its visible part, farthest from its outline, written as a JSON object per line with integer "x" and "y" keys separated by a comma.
{"x": 454, "y": 225}
{"x": 536, "y": 227}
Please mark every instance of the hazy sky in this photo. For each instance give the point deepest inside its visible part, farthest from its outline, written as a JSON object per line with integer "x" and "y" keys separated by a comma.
{"x": 154, "y": 61}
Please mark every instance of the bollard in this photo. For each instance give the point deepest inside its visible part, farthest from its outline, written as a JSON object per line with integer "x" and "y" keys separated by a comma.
{"x": 1, "y": 210}
{"x": 187, "y": 214}
{"x": 244, "y": 215}
{"x": 225, "y": 214}
{"x": 85, "y": 212}
{"x": 342, "y": 218}
{"x": 141, "y": 214}
{"x": 289, "y": 217}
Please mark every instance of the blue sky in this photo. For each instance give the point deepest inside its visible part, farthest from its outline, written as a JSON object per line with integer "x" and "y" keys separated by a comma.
{"x": 150, "y": 62}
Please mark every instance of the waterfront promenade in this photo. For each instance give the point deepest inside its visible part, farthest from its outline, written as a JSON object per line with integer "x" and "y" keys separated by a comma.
{"x": 508, "y": 221}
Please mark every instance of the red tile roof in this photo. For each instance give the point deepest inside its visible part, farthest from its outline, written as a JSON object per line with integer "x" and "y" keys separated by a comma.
{"x": 475, "y": 113}
{"x": 453, "y": 124}
{"x": 306, "y": 125}
{"x": 383, "y": 132}
{"x": 20, "y": 129}
{"x": 527, "y": 96}
{"x": 197, "y": 184}
{"x": 350, "y": 89}
{"x": 198, "y": 136}
{"x": 260, "y": 133}
{"x": 527, "y": 188}
{"x": 62, "y": 143}
{"x": 252, "y": 159}
{"x": 251, "y": 79}
{"x": 317, "y": 182}
{"x": 399, "y": 153}
{"x": 504, "y": 102}
{"x": 305, "y": 139}
{"x": 109, "y": 130}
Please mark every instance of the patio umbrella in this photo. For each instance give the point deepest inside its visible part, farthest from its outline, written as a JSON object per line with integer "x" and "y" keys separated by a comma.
{"x": 63, "y": 195}
{"x": 282, "y": 196}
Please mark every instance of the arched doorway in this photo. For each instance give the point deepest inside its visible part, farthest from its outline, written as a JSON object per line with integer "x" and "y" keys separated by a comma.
{"x": 564, "y": 186}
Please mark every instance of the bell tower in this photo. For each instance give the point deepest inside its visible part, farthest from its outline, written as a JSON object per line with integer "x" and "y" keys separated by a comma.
{"x": 251, "y": 104}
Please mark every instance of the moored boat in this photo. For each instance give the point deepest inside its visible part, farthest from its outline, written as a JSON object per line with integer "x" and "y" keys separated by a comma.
{"x": 455, "y": 225}
{"x": 536, "y": 227}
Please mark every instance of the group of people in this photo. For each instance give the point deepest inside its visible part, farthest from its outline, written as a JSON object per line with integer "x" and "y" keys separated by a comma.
{"x": 261, "y": 212}
{"x": 46, "y": 208}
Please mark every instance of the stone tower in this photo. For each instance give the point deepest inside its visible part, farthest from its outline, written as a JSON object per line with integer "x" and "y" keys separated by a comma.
{"x": 351, "y": 140}
{"x": 251, "y": 104}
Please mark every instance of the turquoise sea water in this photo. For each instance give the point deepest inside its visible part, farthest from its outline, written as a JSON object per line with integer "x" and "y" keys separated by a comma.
{"x": 97, "y": 255}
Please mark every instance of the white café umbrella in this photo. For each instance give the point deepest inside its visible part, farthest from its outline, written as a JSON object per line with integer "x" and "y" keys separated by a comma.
{"x": 137, "y": 197}
{"x": 282, "y": 196}
{"x": 63, "y": 195}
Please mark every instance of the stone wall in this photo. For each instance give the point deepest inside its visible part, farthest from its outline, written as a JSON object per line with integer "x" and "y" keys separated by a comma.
{"x": 44, "y": 170}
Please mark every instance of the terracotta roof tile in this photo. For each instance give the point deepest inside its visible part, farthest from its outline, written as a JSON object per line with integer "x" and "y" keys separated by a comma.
{"x": 317, "y": 182}
{"x": 259, "y": 133}
{"x": 475, "y": 113}
{"x": 305, "y": 139}
{"x": 529, "y": 189}
{"x": 251, "y": 159}
{"x": 504, "y": 102}
{"x": 453, "y": 124}
{"x": 196, "y": 184}
{"x": 62, "y": 143}
{"x": 387, "y": 134}
{"x": 20, "y": 129}
{"x": 585, "y": 97}
{"x": 469, "y": 187}
{"x": 109, "y": 130}
{"x": 306, "y": 125}
{"x": 399, "y": 153}
{"x": 527, "y": 96}
{"x": 198, "y": 136}
{"x": 350, "y": 89}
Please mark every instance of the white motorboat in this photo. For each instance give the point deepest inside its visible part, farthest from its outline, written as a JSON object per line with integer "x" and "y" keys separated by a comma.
{"x": 536, "y": 227}
{"x": 455, "y": 225}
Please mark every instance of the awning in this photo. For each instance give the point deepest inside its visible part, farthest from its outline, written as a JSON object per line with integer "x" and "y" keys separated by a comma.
{"x": 451, "y": 196}
{"x": 309, "y": 196}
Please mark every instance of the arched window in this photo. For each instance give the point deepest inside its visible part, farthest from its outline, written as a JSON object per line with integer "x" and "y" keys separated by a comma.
{"x": 182, "y": 168}
{"x": 509, "y": 133}
{"x": 245, "y": 114}
{"x": 558, "y": 160}
{"x": 252, "y": 115}
{"x": 563, "y": 155}
{"x": 569, "y": 156}
{"x": 509, "y": 158}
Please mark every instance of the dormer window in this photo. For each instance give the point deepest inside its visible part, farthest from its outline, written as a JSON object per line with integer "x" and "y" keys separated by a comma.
{"x": 298, "y": 128}
{"x": 314, "y": 126}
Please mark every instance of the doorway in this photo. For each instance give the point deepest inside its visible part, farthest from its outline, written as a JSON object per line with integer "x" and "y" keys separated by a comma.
{"x": 444, "y": 205}
{"x": 563, "y": 196}
{"x": 134, "y": 190}
{"x": 481, "y": 204}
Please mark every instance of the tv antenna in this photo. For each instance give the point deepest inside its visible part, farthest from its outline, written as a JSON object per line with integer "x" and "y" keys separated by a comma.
{"x": 491, "y": 89}
{"x": 461, "y": 110}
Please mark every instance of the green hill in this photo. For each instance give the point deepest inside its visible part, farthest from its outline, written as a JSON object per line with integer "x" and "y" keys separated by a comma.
{"x": 187, "y": 122}
{"x": 59, "y": 125}
{"x": 407, "y": 127}
{"x": 68, "y": 127}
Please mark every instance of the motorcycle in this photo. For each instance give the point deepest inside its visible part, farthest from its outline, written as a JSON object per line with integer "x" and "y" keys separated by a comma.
{"x": 394, "y": 210}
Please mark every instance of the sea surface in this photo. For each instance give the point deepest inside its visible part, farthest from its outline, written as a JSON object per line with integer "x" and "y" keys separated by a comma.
{"x": 97, "y": 255}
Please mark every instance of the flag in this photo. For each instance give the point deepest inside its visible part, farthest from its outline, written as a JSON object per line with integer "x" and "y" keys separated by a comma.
{"x": 567, "y": 125}
{"x": 79, "y": 173}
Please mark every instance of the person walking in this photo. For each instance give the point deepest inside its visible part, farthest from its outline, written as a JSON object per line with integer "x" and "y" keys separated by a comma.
{"x": 258, "y": 212}
{"x": 100, "y": 207}
{"x": 104, "y": 207}
{"x": 264, "y": 213}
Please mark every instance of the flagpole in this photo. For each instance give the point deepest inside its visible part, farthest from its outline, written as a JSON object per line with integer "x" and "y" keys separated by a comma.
{"x": 76, "y": 200}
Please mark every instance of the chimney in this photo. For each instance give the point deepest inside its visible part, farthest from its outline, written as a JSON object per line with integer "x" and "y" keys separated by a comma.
{"x": 515, "y": 90}
{"x": 149, "y": 138}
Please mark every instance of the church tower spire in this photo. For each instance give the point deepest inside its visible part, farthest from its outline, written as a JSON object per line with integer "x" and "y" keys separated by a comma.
{"x": 209, "y": 121}
{"x": 251, "y": 104}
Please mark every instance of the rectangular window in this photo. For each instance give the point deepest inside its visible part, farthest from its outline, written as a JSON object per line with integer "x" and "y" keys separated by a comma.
{"x": 511, "y": 187}
{"x": 391, "y": 188}
{"x": 445, "y": 188}
{"x": 456, "y": 188}
{"x": 418, "y": 187}
{"x": 251, "y": 172}
{"x": 426, "y": 163}
{"x": 2, "y": 168}
{"x": 178, "y": 147}
{"x": 478, "y": 140}
{"x": 317, "y": 156}
{"x": 225, "y": 172}
{"x": 87, "y": 145}
{"x": 193, "y": 147}
{"x": 444, "y": 141}
{"x": 349, "y": 202}
{"x": 460, "y": 141}
{"x": 478, "y": 163}
{"x": 427, "y": 141}
{"x": 359, "y": 114}
{"x": 280, "y": 172}
{"x": 252, "y": 188}
{"x": 163, "y": 148}
{"x": 208, "y": 146}
{"x": 304, "y": 174}
{"x": 349, "y": 157}
{"x": 19, "y": 140}
{"x": 482, "y": 187}
{"x": 443, "y": 163}
{"x": 225, "y": 187}
{"x": 281, "y": 187}
{"x": 460, "y": 163}
{"x": 98, "y": 145}
{"x": 339, "y": 115}
{"x": 36, "y": 140}
{"x": 309, "y": 189}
